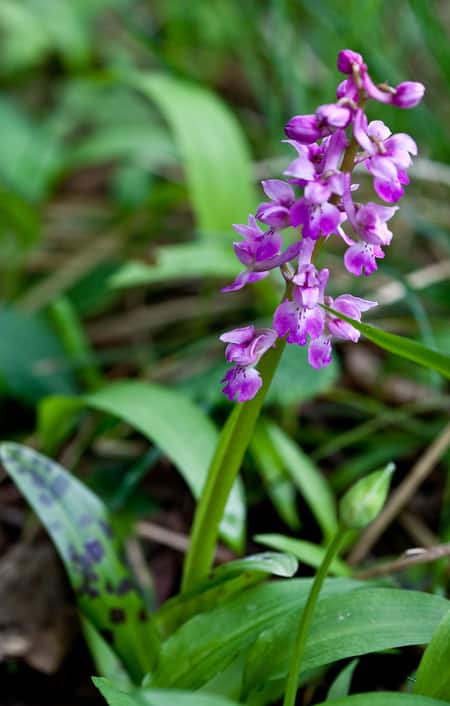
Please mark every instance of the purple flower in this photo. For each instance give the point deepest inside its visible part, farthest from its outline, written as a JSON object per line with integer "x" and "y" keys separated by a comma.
{"x": 317, "y": 219}
{"x": 276, "y": 212}
{"x": 245, "y": 347}
{"x": 306, "y": 129}
{"x": 408, "y": 94}
{"x": 350, "y": 306}
{"x": 260, "y": 252}
{"x": 303, "y": 129}
{"x": 360, "y": 258}
{"x": 319, "y": 352}
{"x": 387, "y": 156}
{"x": 303, "y": 315}
{"x": 303, "y": 168}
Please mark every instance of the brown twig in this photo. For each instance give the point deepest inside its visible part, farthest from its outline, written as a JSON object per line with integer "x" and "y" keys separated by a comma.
{"x": 401, "y": 496}
{"x": 411, "y": 558}
{"x": 174, "y": 540}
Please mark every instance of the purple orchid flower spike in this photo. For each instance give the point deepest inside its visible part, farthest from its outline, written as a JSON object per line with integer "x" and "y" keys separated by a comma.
{"x": 317, "y": 199}
{"x": 245, "y": 347}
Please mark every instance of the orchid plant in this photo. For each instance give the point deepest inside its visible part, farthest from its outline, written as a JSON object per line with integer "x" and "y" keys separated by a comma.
{"x": 226, "y": 631}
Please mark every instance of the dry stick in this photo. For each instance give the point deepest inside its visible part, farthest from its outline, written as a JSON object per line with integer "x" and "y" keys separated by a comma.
{"x": 418, "y": 530}
{"x": 174, "y": 540}
{"x": 401, "y": 496}
{"x": 420, "y": 556}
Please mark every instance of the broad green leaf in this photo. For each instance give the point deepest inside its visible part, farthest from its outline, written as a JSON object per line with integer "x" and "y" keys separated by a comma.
{"x": 267, "y": 562}
{"x": 306, "y": 552}
{"x": 348, "y": 625}
{"x": 179, "y": 262}
{"x": 183, "y": 606}
{"x": 278, "y": 485}
{"x": 209, "y": 642}
{"x": 433, "y": 675}
{"x": 33, "y": 363}
{"x": 401, "y": 346}
{"x": 294, "y": 382}
{"x": 384, "y": 698}
{"x": 307, "y": 477}
{"x": 341, "y": 685}
{"x": 213, "y": 148}
{"x": 81, "y": 531}
{"x": 117, "y": 696}
{"x": 174, "y": 424}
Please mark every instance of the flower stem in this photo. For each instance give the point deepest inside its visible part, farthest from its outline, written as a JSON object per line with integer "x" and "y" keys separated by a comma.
{"x": 306, "y": 616}
{"x": 224, "y": 467}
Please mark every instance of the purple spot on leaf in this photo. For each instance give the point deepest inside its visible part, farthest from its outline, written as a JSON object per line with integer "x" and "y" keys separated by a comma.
{"x": 117, "y": 615}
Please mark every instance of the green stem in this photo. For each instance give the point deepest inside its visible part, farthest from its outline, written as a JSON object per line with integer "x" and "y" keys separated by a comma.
{"x": 307, "y": 613}
{"x": 225, "y": 464}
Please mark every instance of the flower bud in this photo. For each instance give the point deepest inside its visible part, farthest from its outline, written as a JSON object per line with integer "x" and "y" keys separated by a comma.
{"x": 346, "y": 59}
{"x": 303, "y": 129}
{"x": 364, "y": 501}
{"x": 408, "y": 94}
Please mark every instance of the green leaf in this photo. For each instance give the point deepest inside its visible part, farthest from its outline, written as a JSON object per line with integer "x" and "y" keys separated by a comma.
{"x": 179, "y": 262}
{"x": 80, "y": 528}
{"x": 401, "y": 346}
{"x": 306, "y": 552}
{"x": 115, "y": 696}
{"x": 174, "y": 424}
{"x": 294, "y": 382}
{"x": 384, "y": 698}
{"x": 105, "y": 659}
{"x": 278, "y": 485}
{"x": 433, "y": 675}
{"x": 341, "y": 685}
{"x": 32, "y": 361}
{"x": 209, "y": 642}
{"x": 267, "y": 562}
{"x": 348, "y": 625}
{"x": 307, "y": 477}
{"x": 214, "y": 151}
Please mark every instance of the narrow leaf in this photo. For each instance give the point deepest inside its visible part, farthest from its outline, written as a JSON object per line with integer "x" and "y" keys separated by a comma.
{"x": 268, "y": 562}
{"x": 306, "y": 552}
{"x": 307, "y": 478}
{"x": 341, "y": 685}
{"x": 433, "y": 675}
{"x": 401, "y": 346}
{"x": 384, "y": 698}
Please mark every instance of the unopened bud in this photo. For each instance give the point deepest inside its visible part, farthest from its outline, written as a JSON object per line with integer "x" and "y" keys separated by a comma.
{"x": 363, "y": 502}
{"x": 408, "y": 94}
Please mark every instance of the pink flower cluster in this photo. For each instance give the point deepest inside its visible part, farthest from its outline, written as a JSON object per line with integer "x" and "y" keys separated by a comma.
{"x": 329, "y": 145}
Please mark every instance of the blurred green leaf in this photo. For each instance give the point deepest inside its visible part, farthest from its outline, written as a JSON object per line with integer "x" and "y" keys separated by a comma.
{"x": 347, "y": 625}
{"x": 33, "y": 363}
{"x": 209, "y": 642}
{"x": 117, "y": 696}
{"x": 401, "y": 346}
{"x": 80, "y": 528}
{"x": 433, "y": 675}
{"x": 179, "y": 262}
{"x": 214, "y": 151}
{"x": 306, "y": 552}
{"x": 341, "y": 685}
{"x": 296, "y": 381}
{"x": 278, "y": 485}
{"x": 106, "y": 661}
{"x": 307, "y": 477}
{"x": 384, "y": 698}
{"x": 267, "y": 562}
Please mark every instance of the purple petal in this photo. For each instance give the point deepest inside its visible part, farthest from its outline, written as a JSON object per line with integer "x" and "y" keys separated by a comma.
{"x": 301, "y": 168}
{"x": 377, "y": 130}
{"x": 243, "y": 383}
{"x": 299, "y": 213}
{"x": 347, "y": 59}
{"x": 245, "y": 252}
{"x": 238, "y": 335}
{"x": 361, "y": 258}
{"x": 244, "y": 278}
{"x": 389, "y": 191}
{"x": 319, "y": 352}
{"x": 330, "y": 218}
{"x": 334, "y": 115}
{"x": 303, "y": 128}
{"x": 251, "y": 231}
{"x": 408, "y": 94}
{"x": 360, "y": 131}
{"x": 273, "y": 215}
{"x": 279, "y": 190}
